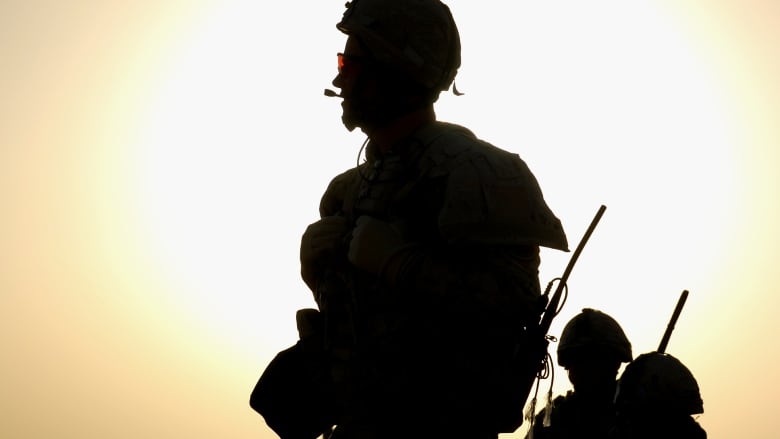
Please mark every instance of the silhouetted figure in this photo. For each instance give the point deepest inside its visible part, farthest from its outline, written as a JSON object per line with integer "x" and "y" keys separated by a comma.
{"x": 424, "y": 263}
{"x": 656, "y": 398}
{"x": 591, "y": 349}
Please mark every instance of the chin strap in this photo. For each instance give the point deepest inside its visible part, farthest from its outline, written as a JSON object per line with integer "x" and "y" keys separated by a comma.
{"x": 455, "y": 90}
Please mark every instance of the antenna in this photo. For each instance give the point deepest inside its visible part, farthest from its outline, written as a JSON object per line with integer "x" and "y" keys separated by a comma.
{"x": 672, "y": 321}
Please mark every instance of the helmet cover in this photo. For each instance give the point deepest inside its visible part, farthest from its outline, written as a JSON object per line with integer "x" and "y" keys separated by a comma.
{"x": 593, "y": 333}
{"x": 417, "y": 37}
{"x": 658, "y": 381}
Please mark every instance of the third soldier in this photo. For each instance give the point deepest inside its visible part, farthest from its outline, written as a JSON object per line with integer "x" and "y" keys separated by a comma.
{"x": 591, "y": 349}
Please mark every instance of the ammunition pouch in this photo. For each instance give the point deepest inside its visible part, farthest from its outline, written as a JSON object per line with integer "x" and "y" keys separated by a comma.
{"x": 293, "y": 392}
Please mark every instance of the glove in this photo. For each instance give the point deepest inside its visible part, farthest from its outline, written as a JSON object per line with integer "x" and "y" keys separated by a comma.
{"x": 322, "y": 243}
{"x": 375, "y": 244}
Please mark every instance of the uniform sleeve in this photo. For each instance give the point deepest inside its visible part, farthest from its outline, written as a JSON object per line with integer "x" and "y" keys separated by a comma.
{"x": 491, "y": 222}
{"x": 492, "y": 197}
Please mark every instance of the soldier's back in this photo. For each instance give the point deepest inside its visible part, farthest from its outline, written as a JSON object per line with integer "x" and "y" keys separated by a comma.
{"x": 574, "y": 417}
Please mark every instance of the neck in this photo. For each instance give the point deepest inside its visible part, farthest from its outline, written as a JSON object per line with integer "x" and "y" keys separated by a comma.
{"x": 603, "y": 392}
{"x": 384, "y": 137}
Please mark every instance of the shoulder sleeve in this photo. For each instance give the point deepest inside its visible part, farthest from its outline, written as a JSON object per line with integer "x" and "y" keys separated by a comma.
{"x": 492, "y": 197}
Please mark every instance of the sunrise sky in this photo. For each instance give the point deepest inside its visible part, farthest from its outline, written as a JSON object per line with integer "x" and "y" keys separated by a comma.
{"x": 159, "y": 161}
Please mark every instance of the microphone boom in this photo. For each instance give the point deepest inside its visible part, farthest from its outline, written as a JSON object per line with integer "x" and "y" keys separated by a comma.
{"x": 332, "y": 94}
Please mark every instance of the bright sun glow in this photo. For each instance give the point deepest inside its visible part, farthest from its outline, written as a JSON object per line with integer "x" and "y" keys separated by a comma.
{"x": 633, "y": 122}
{"x": 203, "y": 170}
{"x": 159, "y": 161}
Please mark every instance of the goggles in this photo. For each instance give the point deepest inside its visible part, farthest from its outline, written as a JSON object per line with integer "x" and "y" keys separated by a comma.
{"x": 346, "y": 62}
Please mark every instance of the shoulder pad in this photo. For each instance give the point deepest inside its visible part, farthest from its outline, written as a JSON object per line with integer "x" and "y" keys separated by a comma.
{"x": 492, "y": 197}
{"x": 444, "y": 144}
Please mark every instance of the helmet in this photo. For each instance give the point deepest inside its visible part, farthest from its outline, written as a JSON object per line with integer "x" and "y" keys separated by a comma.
{"x": 657, "y": 380}
{"x": 590, "y": 333}
{"x": 419, "y": 37}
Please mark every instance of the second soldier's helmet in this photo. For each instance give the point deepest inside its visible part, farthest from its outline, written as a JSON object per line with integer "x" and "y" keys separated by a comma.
{"x": 417, "y": 37}
{"x": 592, "y": 333}
{"x": 658, "y": 382}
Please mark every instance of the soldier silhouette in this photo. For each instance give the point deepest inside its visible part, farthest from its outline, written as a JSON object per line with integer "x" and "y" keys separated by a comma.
{"x": 656, "y": 397}
{"x": 591, "y": 349}
{"x": 424, "y": 262}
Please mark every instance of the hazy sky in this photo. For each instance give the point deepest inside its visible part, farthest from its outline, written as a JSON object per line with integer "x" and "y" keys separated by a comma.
{"x": 160, "y": 160}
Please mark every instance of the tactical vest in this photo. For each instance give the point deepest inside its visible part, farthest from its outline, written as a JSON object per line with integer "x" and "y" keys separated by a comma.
{"x": 449, "y": 190}
{"x": 444, "y": 187}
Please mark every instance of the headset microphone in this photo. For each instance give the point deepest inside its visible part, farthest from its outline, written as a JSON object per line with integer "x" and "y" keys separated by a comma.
{"x": 332, "y": 94}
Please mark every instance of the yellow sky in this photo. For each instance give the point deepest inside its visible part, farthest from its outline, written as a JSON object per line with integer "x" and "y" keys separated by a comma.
{"x": 159, "y": 161}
